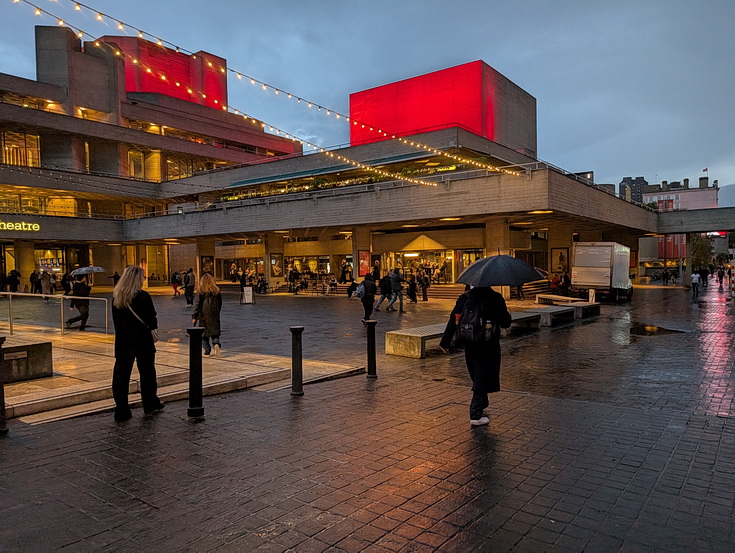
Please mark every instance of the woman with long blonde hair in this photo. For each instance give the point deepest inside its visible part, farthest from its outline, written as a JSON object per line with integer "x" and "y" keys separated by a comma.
{"x": 134, "y": 317}
{"x": 207, "y": 309}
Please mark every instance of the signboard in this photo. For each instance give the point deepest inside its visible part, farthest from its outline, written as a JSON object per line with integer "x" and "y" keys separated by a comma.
{"x": 246, "y": 295}
{"x": 21, "y": 226}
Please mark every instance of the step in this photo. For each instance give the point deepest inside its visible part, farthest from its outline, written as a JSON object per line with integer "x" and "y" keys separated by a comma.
{"x": 266, "y": 381}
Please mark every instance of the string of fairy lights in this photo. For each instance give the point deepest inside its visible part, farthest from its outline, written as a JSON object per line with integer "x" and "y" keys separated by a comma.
{"x": 124, "y": 26}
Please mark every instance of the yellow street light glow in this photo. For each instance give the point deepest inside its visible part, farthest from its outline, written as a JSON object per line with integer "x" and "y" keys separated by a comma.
{"x": 449, "y": 219}
{"x": 409, "y": 226}
{"x": 410, "y": 255}
{"x": 540, "y": 211}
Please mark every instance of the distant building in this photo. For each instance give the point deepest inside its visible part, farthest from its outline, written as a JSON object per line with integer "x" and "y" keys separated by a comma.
{"x": 677, "y": 196}
{"x": 632, "y": 189}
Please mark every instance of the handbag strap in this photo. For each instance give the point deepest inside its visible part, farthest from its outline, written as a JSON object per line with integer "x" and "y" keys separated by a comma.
{"x": 137, "y": 317}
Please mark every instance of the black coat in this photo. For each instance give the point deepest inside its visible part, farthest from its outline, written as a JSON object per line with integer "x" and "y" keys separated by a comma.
{"x": 370, "y": 289}
{"x": 207, "y": 308}
{"x": 131, "y": 336}
{"x": 483, "y": 359}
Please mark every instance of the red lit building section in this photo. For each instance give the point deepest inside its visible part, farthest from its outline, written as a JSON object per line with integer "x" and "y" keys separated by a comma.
{"x": 200, "y": 73}
{"x": 473, "y": 96}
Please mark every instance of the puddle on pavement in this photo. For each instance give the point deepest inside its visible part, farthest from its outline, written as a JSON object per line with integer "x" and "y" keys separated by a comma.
{"x": 651, "y": 330}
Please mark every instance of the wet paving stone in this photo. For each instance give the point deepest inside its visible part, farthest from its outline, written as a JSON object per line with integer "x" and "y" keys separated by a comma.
{"x": 601, "y": 440}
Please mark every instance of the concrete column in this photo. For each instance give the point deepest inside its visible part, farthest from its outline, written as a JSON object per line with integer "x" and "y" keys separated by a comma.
{"x": 25, "y": 261}
{"x": 153, "y": 166}
{"x": 109, "y": 257}
{"x": 361, "y": 240}
{"x": 63, "y": 151}
{"x": 560, "y": 240}
{"x": 274, "y": 247}
{"x": 497, "y": 238}
{"x": 142, "y": 260}
{"x": 108, "y": 157}
{"x": 205, "y": 256}
{"x": 497, "y": 241}
{"x": 687, "y": 273}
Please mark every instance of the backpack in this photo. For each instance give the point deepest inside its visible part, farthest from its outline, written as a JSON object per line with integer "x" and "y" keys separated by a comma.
{"x": 359, "y": 291}
{"x": 471, "y": 327}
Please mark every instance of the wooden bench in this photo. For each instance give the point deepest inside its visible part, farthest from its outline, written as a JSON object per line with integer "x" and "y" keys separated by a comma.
{"x": 553, "y": 299}
{"x": 23, "y": 359}
{"x": 555, "y": 314}
{"x": 411, "y": 342}
{"x": 585, "y": 309}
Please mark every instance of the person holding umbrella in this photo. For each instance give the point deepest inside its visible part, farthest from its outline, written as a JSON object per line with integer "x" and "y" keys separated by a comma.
{"x": 134, "y": 317}
{"x": 476, "y": 320}
{"x": 81, "y": 289}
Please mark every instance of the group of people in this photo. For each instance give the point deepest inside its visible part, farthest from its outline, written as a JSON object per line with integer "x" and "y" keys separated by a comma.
{"x": 134, "y": 317}
{"x": 187, "y": 281}
{"x": 390, "y": 287}
{"x": 701, "y": 276}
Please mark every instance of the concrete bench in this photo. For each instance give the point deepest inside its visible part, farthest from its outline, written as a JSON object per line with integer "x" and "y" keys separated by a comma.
{"x": 553, "y": 299}
{"x": 585, "y": 309}
{"x": 22, "y": 359}
{"x": 411, "y": 342}
{"x": 555, "y": 314}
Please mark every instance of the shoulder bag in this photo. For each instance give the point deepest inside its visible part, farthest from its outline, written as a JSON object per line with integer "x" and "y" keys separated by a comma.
{"x": 154, "y": 331}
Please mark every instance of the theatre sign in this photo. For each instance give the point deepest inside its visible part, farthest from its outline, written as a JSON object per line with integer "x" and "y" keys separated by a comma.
{"x": 22, "y": 226}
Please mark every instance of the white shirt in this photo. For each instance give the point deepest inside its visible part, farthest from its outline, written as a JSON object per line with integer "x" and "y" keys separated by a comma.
{"x": 695, "y": 278}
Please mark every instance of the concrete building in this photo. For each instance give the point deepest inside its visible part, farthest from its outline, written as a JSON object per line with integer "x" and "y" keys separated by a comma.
{"x": 126, "y": 152}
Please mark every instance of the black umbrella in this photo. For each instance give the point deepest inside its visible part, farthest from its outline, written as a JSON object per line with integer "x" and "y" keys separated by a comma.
{"x": 498, "y": 270}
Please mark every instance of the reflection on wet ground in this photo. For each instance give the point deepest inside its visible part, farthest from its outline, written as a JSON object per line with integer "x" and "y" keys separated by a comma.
{"x": 650, "y": 330}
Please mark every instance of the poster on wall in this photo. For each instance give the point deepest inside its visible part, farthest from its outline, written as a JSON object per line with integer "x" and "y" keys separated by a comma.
{"x": 276, "y": 264}
{"x": 363, "y": 259}
{"x": 206, "y": 264}
{"x": 559, "y": 260}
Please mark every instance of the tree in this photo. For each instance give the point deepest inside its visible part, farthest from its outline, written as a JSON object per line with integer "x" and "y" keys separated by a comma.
{"x": 701, "y": 250}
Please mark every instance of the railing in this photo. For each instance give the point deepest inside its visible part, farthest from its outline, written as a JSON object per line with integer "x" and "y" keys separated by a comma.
{"x": 45, "y": 297}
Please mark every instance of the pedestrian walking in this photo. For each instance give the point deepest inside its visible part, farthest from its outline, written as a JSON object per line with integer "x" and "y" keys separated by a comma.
{"x": 116, "y": 278}
{"x": 368, "y": 296}
{"x": 47, "y": 281}
{"x": 695, "y": 284}
{"x": 376, "y": 271}
{"x": 35, "y": 283}
{"x": 386, "y": 290}
{"x": 396, "y": 285}
{"x": 483, "y": 356}
{"x": 81, "y": 290}
{"x": 14, "y": 280}
{"x": 412, "y": 288}
{"x": 176, "y": 282}
{"x": 207, "y": 314}
{"x": 189, "y": 283}
{"x": 424, "y": 283}
{"x": 134, "y": 317}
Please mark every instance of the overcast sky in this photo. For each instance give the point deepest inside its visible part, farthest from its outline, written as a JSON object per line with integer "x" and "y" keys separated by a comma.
{"x": 623, "y": 88}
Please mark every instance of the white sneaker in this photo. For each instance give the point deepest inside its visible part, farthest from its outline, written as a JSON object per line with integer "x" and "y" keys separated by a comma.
{"x": 480, "y": 422}
{"x": 216, "y": 350}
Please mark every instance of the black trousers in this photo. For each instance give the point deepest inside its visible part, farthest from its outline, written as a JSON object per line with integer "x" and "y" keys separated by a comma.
{"x": 368, "y": 306}
{"x": 83, "y": 316}
{"x": 148, "y": 385}
{"x": 189, "y": 295}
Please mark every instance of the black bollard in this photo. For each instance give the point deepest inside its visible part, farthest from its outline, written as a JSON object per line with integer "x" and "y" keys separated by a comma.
{"x": 297, "y": 371}
{"x": 196, "y": 409}
{"x": 372, "y": 371}
{"x": 3, "y": 425}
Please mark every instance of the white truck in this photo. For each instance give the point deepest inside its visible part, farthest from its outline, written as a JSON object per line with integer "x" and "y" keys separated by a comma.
{"x": 603, "y": 267}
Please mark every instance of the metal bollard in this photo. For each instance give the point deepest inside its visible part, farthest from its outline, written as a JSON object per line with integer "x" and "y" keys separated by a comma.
{"x": 297, "y": 371}
{"x": 3, "y": 425}
{"x": 196, "y": 408}
{"x": 372, "y": 371}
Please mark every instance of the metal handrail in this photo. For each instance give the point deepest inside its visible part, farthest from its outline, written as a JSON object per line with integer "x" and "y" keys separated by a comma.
{"x": 61, "y": 304}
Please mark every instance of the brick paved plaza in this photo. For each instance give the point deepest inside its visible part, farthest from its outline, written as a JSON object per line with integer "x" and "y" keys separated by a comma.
{"x": 601, "y": 440}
